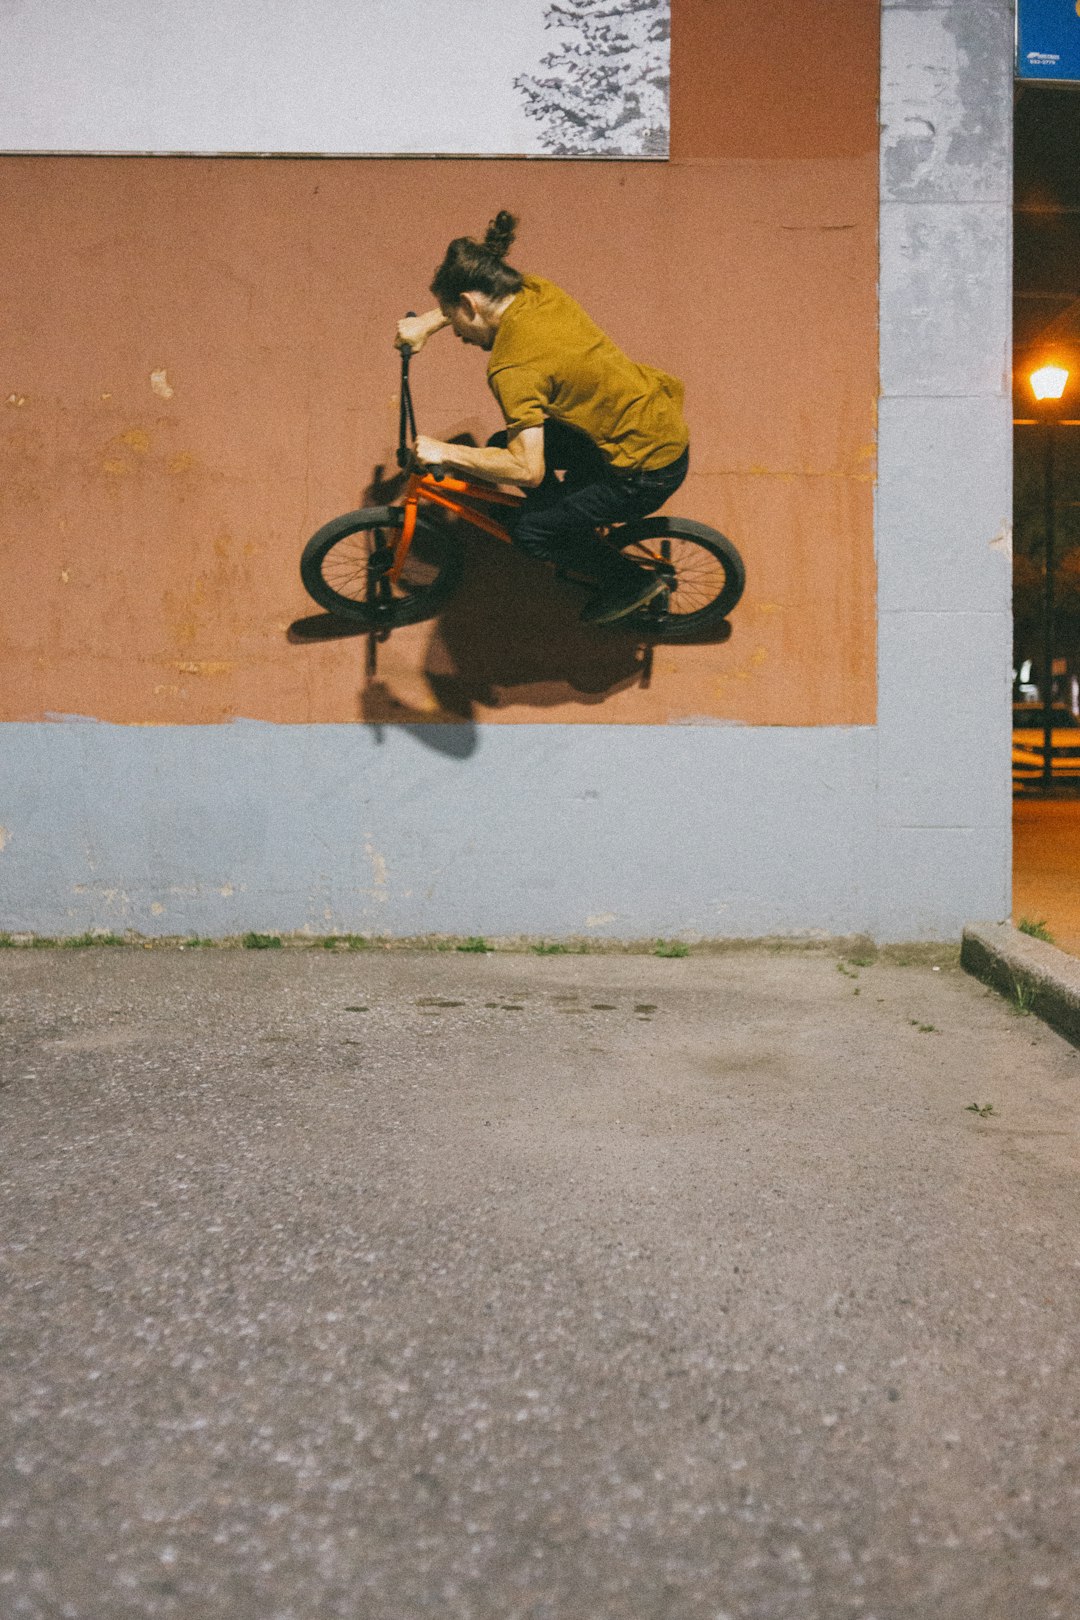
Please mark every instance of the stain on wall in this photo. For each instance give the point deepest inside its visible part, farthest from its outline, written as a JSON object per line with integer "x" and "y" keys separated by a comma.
{"x": 198, "y": 372}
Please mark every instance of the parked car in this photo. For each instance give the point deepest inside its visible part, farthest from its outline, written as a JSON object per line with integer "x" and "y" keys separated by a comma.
{"x": 1027, "y": 743}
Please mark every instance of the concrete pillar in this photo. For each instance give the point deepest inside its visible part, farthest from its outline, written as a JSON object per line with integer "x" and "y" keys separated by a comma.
{"x": 943, "y": 525}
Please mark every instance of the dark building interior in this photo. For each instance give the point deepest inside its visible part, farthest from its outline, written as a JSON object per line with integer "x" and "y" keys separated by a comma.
{"x": 1046, "y": 327}
{"x": 1046, "y": 601}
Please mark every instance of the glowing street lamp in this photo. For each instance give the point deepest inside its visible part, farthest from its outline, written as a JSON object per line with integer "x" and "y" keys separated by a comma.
{"x": 1049, "y": 382}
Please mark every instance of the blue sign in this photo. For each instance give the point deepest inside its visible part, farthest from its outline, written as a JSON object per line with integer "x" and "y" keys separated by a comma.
{"x": 1048, "y": 39}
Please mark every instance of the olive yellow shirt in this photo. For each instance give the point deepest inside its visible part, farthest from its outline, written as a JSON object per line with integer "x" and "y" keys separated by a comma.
{"x": 550, "y": 359}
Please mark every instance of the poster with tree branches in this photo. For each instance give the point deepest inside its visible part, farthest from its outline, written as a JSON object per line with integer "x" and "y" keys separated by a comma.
{"x": 603, "y": 89}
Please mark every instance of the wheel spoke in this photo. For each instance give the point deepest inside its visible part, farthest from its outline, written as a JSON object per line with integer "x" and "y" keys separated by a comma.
{"x": 354, "y": 571}
{"x": 696, "y": 577}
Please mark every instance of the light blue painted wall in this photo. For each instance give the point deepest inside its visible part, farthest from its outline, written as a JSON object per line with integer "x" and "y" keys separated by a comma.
{"x": 943, "y": 521}
{"x": 610, "y": 832}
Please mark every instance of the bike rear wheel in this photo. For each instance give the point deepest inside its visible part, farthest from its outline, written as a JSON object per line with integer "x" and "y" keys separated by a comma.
{"x": 345, "y": 567}
{"x": 703, "y": 571}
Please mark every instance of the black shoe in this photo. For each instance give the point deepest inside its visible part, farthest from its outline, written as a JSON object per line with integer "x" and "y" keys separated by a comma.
{"x": 618, "y": 601}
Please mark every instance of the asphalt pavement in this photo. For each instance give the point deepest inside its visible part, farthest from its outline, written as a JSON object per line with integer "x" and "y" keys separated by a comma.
{"x": 394, "y": 1285}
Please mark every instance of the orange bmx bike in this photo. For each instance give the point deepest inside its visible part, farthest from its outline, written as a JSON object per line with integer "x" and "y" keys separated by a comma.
{"x": 385, "y": 566}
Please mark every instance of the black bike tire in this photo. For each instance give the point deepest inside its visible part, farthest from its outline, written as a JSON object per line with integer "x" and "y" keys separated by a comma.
{"x": 423, "y": 603}
{"x": 687, "y": 626}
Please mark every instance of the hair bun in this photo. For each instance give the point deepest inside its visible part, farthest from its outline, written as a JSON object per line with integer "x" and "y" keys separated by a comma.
{"x": 500, "y": 234}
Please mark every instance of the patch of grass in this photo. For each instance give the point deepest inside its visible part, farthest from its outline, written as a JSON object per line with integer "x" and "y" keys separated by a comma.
{"x": 671, "y": 947}
{"x": 261, "y": 942}
{"x": 1023, "y": 998}
{"x": 474, "y": 944}
{"x": 849, "y": 973}
{"x": 861, "y": 961}
{"x": 6, "y": 942}
{"x": 550, "y": 950}
{"x": 196, "y": 942}
{"x": 1037, "y": 929}
{"x": 923, "y": 1029}
{"x": 984, "y": 1110}
{"x": 79, "y": 942}
{"x": 41, "y": 942}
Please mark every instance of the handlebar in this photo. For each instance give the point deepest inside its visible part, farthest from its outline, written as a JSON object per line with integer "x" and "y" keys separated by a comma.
{"x": 406, "y": 459}
{"x": 408, "y": 463}
{"x": 406, "y": 417}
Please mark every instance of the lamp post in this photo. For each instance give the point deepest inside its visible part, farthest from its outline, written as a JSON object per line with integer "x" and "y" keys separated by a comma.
{"x": 1048, "y": 385}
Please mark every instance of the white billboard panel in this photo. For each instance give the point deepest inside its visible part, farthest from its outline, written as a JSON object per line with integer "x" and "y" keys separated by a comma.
{"x": 539, "y": 78}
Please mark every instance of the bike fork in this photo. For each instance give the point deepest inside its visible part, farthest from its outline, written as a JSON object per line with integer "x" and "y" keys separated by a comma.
{"x": 380, "y": 592}
{"x": 380, "y": 598}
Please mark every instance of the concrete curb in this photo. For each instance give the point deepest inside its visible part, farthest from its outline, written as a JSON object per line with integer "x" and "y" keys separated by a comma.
{"x": 1026, "y": 970}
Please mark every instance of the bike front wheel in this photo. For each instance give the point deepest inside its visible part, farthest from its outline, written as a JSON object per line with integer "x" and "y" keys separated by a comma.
{"x": 345, "y": 567}
{"x": 702, "y": 570}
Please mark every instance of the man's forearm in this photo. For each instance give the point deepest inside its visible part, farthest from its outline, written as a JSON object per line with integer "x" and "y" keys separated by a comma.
{"x": 433, "y": 321}
{"x": 496, "y": 465}
{"x": 500, "y": 466}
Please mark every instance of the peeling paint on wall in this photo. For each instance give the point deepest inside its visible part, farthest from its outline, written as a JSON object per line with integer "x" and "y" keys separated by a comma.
{"x": 378, "y": 869}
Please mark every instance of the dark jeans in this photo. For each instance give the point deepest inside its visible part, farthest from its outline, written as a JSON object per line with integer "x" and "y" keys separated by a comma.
{"x": 559, "y": 519}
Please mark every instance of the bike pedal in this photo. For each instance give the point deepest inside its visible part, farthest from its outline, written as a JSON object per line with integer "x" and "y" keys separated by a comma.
{"x": 655, "y": 610}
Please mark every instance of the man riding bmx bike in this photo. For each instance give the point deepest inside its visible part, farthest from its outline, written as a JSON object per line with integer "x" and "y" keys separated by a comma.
{"x": 573, "y": 403}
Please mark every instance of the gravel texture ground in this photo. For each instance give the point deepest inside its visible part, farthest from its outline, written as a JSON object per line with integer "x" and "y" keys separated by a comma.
{"x": 393, "y": 1286}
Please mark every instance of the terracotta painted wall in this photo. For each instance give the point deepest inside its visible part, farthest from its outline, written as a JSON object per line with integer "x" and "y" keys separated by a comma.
{"x": 197, "y": 372}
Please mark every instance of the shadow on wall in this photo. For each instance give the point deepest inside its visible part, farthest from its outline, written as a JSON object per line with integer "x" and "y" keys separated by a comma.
{"x": 512, "y": 628}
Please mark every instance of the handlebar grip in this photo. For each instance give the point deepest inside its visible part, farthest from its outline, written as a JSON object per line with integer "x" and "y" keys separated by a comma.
{"x": 407, "y": 353}
{"x": 406, "y": 460}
